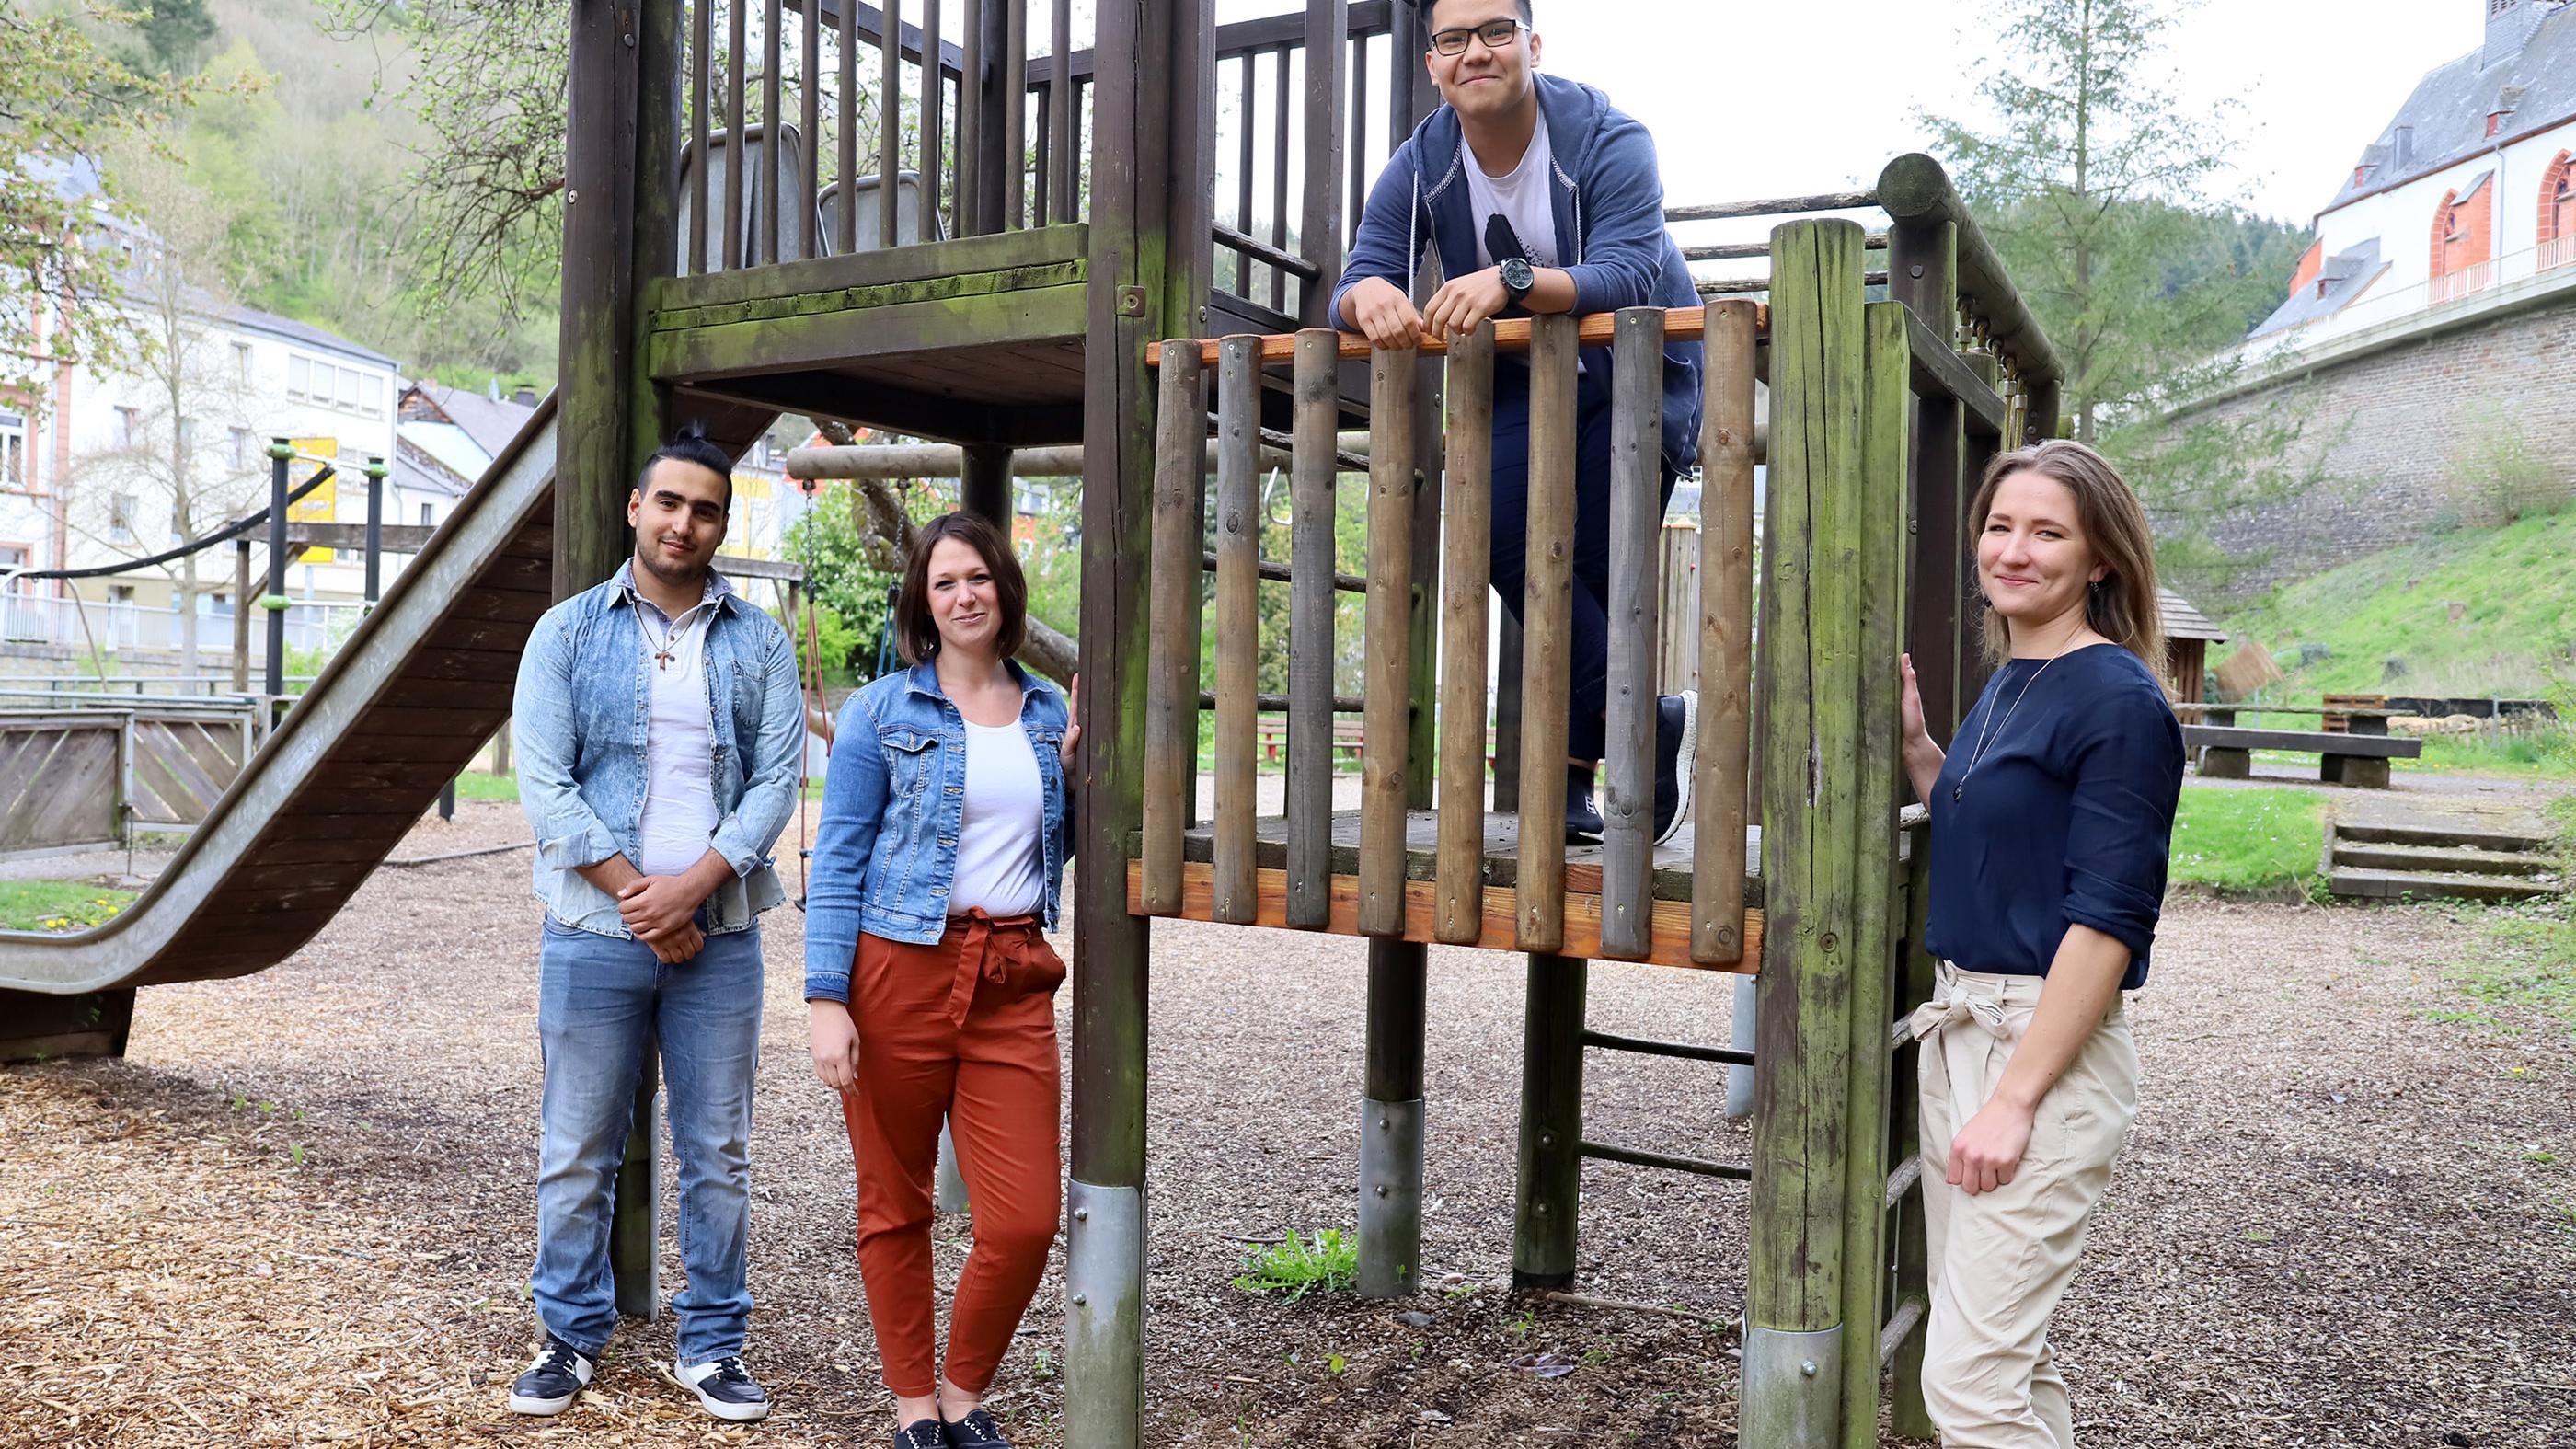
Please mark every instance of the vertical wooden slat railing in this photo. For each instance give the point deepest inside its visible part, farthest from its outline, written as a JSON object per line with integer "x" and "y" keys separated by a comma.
{"x": 1313, "y": 474}
{"x": 971, "y": 122}
{"x": 934, "y": 120}
{"x": 845, "y": 201}
{"x": 1722, "y": 759}
{"x": 737, "y": 127}
{"x": 702, "y": 90}
{"x": 1629, "y": 706}
{"x": 1172, "y": 649}
{"x": 809, "y": 91}
{"x": 889, "y": 126}
{"x": 1063, "y": 106}
{"x": 1279, "y": 177}
{"x": 1387, "y": 666}
{"x": 1467, "y": 487}
{"x": 1238, "y": 617}
{"x": 1015, "y": 114}
{"x": 773, "y": 134}
{"x": 1547, "y": 625}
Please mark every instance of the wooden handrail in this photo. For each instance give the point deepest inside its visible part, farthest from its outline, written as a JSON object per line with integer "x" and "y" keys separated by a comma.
{"x": 1511, "y": 334}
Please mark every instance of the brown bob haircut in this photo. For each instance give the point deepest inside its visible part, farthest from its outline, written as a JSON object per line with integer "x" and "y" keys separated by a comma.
{"x": 2122, "y": 607}
{"x": 916, "y": 634}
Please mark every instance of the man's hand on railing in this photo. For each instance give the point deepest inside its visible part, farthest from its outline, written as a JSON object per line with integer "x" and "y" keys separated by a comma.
{"x": 1382, "y": 313}
{"x": 1465, "y": 303}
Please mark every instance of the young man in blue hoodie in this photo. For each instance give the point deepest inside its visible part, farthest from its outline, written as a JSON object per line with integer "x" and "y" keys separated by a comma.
{"x": 1541, "y": 198}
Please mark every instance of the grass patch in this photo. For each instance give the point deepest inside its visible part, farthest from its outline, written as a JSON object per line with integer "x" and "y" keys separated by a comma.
{"x": 2544, "y": 750}
{"x": 2529, "y": 962}
{"x": 2247, "y": 840}
{"x": 483, "y": 785}
{"x": 58, "y": 905}
{"x": 1295, "y": 1268}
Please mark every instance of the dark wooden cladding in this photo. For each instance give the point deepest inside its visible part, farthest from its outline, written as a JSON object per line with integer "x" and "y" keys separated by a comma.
{"x": 1387, "y": 662}
{"x": 1313, "y": 476}
{"x": 1238, "y": 621}
{"x": 1723, "y": 758}
{"x": 1547, "y": 626}
{"x": 1172, "y": 644}
{"x": 1636, "y": 517}
{"x": 1320, "y": 227}
{"x": 1466, "y": 582}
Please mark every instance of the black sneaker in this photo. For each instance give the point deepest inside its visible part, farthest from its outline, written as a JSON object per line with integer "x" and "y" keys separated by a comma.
{"x": 1583, "y": 824}
{"x": 976, "y": 1431}
{"x": 553, "y": 1381}
{"x": 1676, "y": 741}
{"x": 922, "y": 1434}
{"x": 726, "y": 1389}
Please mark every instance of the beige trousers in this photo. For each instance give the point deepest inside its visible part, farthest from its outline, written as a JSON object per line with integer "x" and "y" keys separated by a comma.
{"x": 1999, "y": 1261}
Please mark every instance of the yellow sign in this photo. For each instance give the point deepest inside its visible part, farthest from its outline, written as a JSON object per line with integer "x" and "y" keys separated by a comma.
{"x": 322, "y": 505}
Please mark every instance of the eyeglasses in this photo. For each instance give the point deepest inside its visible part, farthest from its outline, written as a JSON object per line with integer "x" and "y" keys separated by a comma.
{"x": 1495, "y": 33}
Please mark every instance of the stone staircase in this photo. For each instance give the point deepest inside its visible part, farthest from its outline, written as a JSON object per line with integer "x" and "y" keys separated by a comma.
{"x": 2421, "y": 862}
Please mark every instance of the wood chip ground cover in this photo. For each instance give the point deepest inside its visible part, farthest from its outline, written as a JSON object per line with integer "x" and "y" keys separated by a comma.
{"x": 301, "y": 1210}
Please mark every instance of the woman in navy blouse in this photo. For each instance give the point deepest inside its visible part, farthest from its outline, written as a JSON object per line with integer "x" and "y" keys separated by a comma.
{"x": 2052, "y": 813}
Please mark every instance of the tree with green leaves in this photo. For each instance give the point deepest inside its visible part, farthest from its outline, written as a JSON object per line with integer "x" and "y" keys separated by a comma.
{"x": 2093, "y": 185}
{"x": 67, "y": 96}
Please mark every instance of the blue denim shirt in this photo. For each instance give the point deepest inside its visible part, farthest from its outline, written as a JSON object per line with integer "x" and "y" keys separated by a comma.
{"x": 894, "y": 804}
{"x": 579, "y": 724}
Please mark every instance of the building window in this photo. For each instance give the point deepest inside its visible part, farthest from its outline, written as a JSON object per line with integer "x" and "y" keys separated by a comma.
{"x": 240, "y": 454}
{"x": 299, "y": 377}
{"x": 425, "y": 519}
{"x": 13, "y": 452}
{"x": 120, "y": 518}
{"x": 129, "y": 427}
{"x": 371, "y": 389}
{"x": 241, "y": 362}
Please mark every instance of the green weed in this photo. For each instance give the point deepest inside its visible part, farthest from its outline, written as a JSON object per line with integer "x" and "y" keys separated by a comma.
{"x": 1295, "y": 1268}
{"x": 2529, "y": 960}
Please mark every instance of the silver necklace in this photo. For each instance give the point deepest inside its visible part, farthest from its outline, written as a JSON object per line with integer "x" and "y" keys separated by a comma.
{"x": 1991, "y": 728}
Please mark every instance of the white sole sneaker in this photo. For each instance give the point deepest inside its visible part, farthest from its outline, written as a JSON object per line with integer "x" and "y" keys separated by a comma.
{"x": 1682, "y": 760}
{"x": 583, "y": 1369}
{"x": 542, "y": 1408}
{"x": 691, "y": 1377}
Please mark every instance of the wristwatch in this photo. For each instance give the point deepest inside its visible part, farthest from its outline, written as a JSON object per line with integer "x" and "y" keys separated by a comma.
{"x": 1511, "y": 259}
{"x": 1518, "y": 279}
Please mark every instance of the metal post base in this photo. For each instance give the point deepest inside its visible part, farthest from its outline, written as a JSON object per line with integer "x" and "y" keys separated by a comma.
{"x": 1104, "y": 1317}
{"x": 1739, "y": 1080}
{"x": 1792, "y": 1389}
{"x": 1390, "y": 1198}
{"x": 634, "y": 1258}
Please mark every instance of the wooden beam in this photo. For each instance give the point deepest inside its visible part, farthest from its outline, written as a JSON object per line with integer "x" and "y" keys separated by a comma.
{"x": 1511, "y": 334}
{"x": 1421, "y": 914}
{"x": 1468, "y": 499}
{"x": 1719, "y": 796}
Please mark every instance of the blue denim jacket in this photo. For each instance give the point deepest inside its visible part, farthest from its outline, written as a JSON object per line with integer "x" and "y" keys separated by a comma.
{"x": 894, "y": 803}
{"x": 579, "y": 723}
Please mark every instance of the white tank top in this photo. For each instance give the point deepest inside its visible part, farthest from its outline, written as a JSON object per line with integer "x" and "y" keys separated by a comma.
{"x": 1001, "y": 861}
{"x": 680, "y": 813}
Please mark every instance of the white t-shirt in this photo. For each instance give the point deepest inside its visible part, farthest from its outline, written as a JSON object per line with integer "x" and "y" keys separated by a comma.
{"x": 1525, "y": 198}
{"x": 679, "y": 744}
{"x": 1001, "y": 861}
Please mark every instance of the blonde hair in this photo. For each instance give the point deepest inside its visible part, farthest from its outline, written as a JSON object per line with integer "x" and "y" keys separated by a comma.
{"x": 2122, "y": 607}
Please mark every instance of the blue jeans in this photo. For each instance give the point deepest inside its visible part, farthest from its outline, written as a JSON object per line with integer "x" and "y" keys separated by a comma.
{"x": 602, "y": 1001}
{"x": 1588, "y": 648}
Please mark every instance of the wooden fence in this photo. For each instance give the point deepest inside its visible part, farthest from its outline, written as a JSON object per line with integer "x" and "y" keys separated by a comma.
{"x": 75, "y": 779}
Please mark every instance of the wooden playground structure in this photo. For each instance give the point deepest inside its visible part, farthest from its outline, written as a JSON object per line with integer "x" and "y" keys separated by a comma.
{"x": 1044, "y": 260}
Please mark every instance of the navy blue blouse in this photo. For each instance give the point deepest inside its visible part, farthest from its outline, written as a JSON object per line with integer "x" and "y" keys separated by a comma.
{"x": 2067, "y": 817}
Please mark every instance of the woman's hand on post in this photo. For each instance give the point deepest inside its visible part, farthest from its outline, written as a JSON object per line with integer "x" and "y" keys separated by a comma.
{"x": 1989, "y": 1149}
{"x": 1073, "y": 723}
{"x": 1910, "y": 711}
{"x": 835, "y": 1039}
{"x": 1922, "y": 757}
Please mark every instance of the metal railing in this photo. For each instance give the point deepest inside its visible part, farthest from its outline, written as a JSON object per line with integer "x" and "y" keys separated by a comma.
{"x": 67, "y": 622}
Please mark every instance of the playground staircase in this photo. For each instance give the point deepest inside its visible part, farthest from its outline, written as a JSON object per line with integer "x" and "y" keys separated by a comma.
{"x": 2414, "y": 862}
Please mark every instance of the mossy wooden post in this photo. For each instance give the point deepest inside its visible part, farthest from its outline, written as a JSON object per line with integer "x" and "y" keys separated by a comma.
{"x": 1725, "y": 638}
{"x": 1547, "y": 625}
{"x": 1887, "y": 398}
{"x": 1172, "y": 645}
{"x": 1314, "y": 479}
{"x": 1238, "y": 624}
{"x": 1148, "y": 277}
{"x": 1811, "y": 832}
{"x": 1548, "y": 1195}
{"x": 1467, "y": 485}
{"x": 1387, "y": 664}
{"x": 1636, "y": 518}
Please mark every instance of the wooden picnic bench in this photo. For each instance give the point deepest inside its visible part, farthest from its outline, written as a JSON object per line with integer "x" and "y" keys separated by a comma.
{"x": 2357, "y": 755}
{"x": 1348, "y": 735}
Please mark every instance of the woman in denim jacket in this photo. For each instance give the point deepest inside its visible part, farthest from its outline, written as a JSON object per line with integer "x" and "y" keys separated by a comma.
{"x": 928, "y": 978}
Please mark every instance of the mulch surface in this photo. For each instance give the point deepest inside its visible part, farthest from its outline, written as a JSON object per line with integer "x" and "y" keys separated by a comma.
{"x": 301, "y": 1210}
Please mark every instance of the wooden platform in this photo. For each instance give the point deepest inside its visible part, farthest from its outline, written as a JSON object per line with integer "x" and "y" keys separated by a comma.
{"x": 1671, "y": 884}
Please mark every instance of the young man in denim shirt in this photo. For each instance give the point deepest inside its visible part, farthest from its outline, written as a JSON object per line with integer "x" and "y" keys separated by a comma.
{"x": 658, "y": 721}
{"x": 1540, "y": 198}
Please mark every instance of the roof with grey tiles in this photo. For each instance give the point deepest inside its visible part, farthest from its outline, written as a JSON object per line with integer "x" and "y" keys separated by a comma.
{"x": 2445, "y": 121}
{"x": 2340, "y": 280}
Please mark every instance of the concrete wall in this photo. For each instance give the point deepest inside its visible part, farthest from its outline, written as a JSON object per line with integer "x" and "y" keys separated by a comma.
{"x": 2404, "y": 424}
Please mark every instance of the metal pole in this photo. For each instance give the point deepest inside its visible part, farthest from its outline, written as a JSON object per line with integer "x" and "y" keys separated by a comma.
{"x": 375, "y": 525}
{"x": 279, "y": 453}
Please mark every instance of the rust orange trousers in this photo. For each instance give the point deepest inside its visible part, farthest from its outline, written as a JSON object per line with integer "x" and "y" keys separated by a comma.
{"x": 963, "y": 1029}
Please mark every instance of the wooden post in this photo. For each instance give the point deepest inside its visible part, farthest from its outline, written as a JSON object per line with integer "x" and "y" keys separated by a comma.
{"x": 1628, "y": 752}
{"x": 1148, "y": 278}
{"x": 1980, "y": 449}
{"x": 1238, "y": 624}
{"x": 1314, "y": 474}
{"x": 1547, "y": 625}
{"x": 1811, "y": 826}
{"x": 1548, "y": 1196}
{"x": 1388, "y": 666}
{"x": 1886, "y": 403}
{"x": 1725, "y": 637}
{"x": 1907, "y": 1415}
{"x": 1467, "y": 486}
{"x": 1507, "y": 717}
{"x": 985, "y": 490}
{"x": 1172, "y": 648}
{"x": 1319, "y": 230}
{"x": 1923, "y": 273}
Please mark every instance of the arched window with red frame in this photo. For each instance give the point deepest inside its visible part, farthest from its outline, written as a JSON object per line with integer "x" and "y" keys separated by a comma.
{"x": 2558, "y": 212}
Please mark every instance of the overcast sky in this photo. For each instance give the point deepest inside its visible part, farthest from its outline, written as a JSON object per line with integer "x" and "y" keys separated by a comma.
{"x": 1767, "y": 100}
